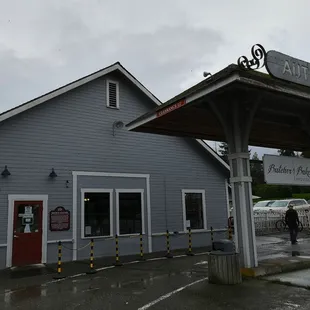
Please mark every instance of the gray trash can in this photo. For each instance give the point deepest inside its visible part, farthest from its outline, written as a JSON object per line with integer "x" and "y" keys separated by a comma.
{"x": 224, "y": 265}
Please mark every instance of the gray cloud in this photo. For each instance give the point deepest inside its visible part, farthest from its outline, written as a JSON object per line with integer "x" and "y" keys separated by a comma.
{"x": 166, "y": 44}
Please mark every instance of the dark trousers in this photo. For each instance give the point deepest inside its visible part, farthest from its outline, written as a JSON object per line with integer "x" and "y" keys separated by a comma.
{"x": 293, "y": 233}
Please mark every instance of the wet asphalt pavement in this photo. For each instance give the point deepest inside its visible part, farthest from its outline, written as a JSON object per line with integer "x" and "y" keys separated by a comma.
{"x": 178, "y": 283}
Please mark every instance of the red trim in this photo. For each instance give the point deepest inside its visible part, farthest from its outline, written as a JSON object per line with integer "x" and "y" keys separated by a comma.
{"x": 171, "y": 108}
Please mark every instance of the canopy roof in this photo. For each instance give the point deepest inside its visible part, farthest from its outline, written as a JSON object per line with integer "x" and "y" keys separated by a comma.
{"x": 282, "y": 119}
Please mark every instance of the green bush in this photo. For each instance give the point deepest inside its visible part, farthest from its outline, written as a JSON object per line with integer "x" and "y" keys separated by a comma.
{"x": 267, "y": 191}
{"x": 302, "y": 196}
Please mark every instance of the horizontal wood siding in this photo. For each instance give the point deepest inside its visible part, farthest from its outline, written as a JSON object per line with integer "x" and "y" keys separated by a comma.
{"x": 74, "y": 133}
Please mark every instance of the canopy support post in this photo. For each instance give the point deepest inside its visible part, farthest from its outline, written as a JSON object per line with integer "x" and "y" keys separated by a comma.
{"x": 237, "y": 125}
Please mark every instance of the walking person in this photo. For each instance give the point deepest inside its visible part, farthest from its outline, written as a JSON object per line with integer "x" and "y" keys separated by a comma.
{"x": 292, "y": 221}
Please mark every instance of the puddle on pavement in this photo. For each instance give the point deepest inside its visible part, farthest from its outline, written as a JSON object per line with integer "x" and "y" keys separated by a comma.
{"x": 300, "y": 278}
{"x": 32, "y": 292}
{"x": 87, "y": 284}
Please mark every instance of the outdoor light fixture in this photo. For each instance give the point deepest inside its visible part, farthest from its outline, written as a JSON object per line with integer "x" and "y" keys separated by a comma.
{"x": 53, "y": 174}
{"x": 67, "y": 184}
{"x": 118, "y": 125}
{"x": 206, "y": 74}
{"x": 5, "y": 172}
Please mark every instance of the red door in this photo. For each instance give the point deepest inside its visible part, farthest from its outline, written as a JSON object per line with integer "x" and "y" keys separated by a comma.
{"x": 27, "y": 233}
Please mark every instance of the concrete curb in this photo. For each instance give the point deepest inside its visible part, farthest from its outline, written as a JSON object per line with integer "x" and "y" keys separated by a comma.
{"x": 272, "y": 267}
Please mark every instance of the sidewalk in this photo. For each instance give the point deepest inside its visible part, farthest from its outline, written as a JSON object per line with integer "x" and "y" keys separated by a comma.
{"x": 275, "y": 256}
{"x": 20, "y": 277}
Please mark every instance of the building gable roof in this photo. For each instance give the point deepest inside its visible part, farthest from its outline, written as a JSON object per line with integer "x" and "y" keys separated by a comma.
{"x": 68, "y": 87}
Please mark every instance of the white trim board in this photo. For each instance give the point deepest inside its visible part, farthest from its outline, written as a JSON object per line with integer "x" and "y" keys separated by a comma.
{"x": 95, "y": 190}
{"x": 61, "y": 240}
{"x": 204, "y": 211}
{"x": 227, "y": 197}
{"x": 76, "y": 174}
{"x": 11, "y": 199}
{"x": 139, "y": 191}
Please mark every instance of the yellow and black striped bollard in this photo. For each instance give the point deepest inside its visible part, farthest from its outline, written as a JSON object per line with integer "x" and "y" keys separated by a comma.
{"x": 189, "y": 251}
{"x": 117, "y": 261}
{"x": 142, "y": 258}
{"x": 59, "y": 269}
{"x": 212, "y": 238}
{"x": 169, "y": 254}
{"x": 91, "y": 260}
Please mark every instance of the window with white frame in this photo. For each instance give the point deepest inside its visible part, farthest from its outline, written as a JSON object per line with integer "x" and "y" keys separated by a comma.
{"x": 112, "y": 94}
{"x": 194, "y": 209}
{"x": 96, "y": 213}
{"x": 130, "y": 211}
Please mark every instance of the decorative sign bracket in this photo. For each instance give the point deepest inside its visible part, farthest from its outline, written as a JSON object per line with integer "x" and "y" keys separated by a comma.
{"x": 258, "y": 53}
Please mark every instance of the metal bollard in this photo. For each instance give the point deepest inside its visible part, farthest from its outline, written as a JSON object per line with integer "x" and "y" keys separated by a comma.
{"x": 59, "y": 269}
{"x": 169, "y": 254}
{"x": 189, "y": 251}
{"x": 91, "y": 260}
{"x": 212, "y": 238}
{"x": 142, "y": 258}
{"x": 117, "y": 261}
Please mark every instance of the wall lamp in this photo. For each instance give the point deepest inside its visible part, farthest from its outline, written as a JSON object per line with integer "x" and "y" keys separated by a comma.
{"x": 5, "y": 172}
{"x": 53, "y": 174}
{"x": 118, "y": 125}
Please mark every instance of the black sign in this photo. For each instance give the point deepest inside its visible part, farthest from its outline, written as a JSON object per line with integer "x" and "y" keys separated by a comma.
{"x": 59, "y": 219}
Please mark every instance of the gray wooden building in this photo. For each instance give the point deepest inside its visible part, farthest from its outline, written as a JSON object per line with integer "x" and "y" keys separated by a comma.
{"x": 71, "y": 171}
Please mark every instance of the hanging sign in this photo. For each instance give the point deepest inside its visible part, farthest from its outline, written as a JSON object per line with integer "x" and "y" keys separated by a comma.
{"x": 59, "y": 219}
{"x": 287, "y": 68}
{"x": 285, "y": 170}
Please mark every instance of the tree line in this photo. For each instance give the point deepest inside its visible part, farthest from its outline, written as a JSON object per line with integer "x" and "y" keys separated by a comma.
{"x": 268, "y": 191}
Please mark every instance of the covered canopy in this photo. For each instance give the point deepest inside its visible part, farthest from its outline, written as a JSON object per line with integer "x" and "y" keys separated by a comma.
{"x": 281, "y": 118}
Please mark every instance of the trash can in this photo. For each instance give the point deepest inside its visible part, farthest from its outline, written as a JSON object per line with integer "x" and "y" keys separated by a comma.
{"x": 224, "y": 265}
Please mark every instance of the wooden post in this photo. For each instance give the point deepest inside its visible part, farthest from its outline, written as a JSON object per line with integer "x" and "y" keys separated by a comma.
{"x": 224, "y": 268}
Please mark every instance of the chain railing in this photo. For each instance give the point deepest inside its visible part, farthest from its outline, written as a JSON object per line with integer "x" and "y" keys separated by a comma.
{"x": 169, "y": 236}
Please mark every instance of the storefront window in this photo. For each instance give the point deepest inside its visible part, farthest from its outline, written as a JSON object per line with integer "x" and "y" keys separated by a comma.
{"x": 97, "y": 214}
{"x": 194, "y": 210}
{"x": 130, "y": 213}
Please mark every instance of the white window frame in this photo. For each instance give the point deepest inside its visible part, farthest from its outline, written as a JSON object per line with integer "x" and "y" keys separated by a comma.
{"x": 131, "y": 190}
{"x": 95, "y": 190}
{"x": 108, "y": 94}
{"x": 204, "y": 214}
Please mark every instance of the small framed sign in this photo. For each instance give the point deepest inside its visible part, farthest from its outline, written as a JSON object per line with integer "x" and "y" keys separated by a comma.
{"x": 188, "y": 224}
{"x": 59, "y": 219}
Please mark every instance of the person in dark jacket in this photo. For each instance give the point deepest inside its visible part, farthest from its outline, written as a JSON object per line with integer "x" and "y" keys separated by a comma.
{"x": 292, "y": 221}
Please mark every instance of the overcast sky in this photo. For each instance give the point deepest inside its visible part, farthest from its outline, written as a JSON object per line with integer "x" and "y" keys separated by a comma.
{"x": 165, "y": 44}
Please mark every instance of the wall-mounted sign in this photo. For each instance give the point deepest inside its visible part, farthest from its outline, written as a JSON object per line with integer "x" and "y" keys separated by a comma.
{"x": 59, "y": 219}
{"x": 284, "y": 170}
{"x": 287, "y": 68}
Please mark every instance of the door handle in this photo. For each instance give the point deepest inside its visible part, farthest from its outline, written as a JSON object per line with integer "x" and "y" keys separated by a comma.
{"x": 15, "y": 236}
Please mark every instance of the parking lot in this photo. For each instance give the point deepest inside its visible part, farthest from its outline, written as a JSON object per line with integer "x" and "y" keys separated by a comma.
{"x": 178, "y": 283}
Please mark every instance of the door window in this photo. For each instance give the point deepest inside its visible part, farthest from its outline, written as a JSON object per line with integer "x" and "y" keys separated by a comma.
{"x": 27, "y": 218}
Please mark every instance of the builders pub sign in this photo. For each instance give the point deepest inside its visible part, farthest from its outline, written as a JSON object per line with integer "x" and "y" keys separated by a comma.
{"x": 285, "y": 170}
{"x": 278, "y": 65}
